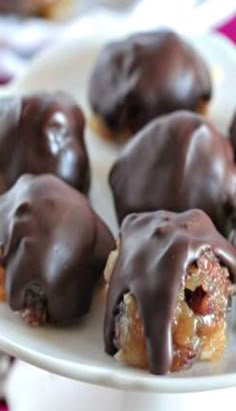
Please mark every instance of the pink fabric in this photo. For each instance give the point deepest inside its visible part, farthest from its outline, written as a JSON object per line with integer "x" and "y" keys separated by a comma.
{"x": 229, "y": 29}
{"x": 3, "y": 407}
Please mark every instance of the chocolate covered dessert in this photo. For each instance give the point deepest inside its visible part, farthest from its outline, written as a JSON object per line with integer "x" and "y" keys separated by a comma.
{"x": 53, "y": 250}
{"x": 177, "y": 162}
{"x": 232, "y": 133}
{"x": 169, "y": 283}
{"x": 42, "y": 8}
{"x": 144, "y": 76}
{"x": 43, "y": 133}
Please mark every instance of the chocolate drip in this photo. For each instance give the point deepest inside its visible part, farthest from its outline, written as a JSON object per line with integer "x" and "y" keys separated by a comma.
{"x": 144, "y": 76}
{"x": 54, "y": 247}
{"x": 155, "y": 251}
{"x": 42, "y": 133}
{"x": 176, "y": 163}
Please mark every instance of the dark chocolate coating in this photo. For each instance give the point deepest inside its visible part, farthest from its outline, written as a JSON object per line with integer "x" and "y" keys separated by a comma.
{"x": 53, "y": 242}
{"x": 155, "y": 251}
{"x": 144, "y": 76}
{"x": 177, "y": 162}
{"x": 43, "y": 133}
{"x": 232, "y": 134}
{"x": 14, "y": 6}
{"x": 230, "y": 229}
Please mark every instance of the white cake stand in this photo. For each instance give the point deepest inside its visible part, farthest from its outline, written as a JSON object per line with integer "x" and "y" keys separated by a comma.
{"x": 78, "y": 352}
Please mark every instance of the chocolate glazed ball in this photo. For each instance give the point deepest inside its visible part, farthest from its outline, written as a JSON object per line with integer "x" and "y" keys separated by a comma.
{"x": 43, "y": 133}
{"x": 144, "y": 76}
{"x": 168, "y": 292}
{"x": 232, "y": 133}
{"x": 54, "y": 249}
{"x": 231, "y": 222}
{"x": 177, "y": 162}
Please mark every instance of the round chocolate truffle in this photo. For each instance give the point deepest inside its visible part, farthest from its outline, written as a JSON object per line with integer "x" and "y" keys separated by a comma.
{"x": 177, "y": 162}
{"x": 53, "y": 249}
{"x": 43, "y": 133}
{"x": 146, "y": 75}
{"x": 232, "y": 133}
{"x": 170, "y": 280}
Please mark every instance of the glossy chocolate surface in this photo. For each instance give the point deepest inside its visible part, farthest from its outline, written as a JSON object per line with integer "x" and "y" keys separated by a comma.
{"x": 155, "y": 251}
{"x": 42, "y": 133}
{"x": 146, "y": 75}
{"x": 177, "y": 162}
{"x": 52, "y": 243}
{"x": 232, "y": 133}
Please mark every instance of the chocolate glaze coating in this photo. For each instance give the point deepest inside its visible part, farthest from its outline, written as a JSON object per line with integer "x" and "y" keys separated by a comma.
{"x": 177, "y": 162}
{"x": 231, "y": 222}
{"x": 146, "y": 75}
{"x": 54, "y": 244}
{"x": 155, "y": 251}
{"x": 42, "y": 133}
{"x": 232, "y": 134}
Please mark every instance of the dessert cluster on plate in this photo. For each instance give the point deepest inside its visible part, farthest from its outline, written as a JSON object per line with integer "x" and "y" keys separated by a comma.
{"x": 171, "y": 272}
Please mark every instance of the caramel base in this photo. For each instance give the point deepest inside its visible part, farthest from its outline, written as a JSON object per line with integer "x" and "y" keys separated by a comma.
{"x": 99, "y": 127}
{"x": 56, "y": 10}
{"x": 202, "y": 108}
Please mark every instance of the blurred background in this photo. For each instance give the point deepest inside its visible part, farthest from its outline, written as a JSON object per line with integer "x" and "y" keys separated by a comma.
{"x": 29, "y": 26}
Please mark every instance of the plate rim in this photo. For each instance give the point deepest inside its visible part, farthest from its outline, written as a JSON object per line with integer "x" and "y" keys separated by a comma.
{"x": 96, "y": 375}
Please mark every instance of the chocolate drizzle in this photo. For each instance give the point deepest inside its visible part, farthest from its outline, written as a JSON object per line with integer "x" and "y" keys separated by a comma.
{"x": 155, "y": 251}
{"x": 144, "y": 76}
{"x": 176, "y": 163}
{"x": 54, "y": 247}
{"x": 42, "y": 133}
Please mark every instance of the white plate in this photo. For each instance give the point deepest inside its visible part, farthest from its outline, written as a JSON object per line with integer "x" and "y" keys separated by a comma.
{"x": 78, "y": 352}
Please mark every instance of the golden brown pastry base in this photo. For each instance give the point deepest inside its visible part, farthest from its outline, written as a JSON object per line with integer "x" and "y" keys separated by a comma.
{"x": 202, "y": 108}
{"x": 199, "y": 323}
{"x": 54, "y": 9}
{"x": 97, "y": 124}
